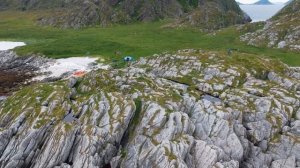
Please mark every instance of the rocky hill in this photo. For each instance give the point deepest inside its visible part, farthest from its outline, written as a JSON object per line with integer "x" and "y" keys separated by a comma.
{"x": 79, "y": 13}
{"x": 281, "y": 31}
{"x": 188, "y": 109}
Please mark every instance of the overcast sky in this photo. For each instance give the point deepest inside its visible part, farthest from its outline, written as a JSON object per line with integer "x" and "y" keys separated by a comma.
{"x": 252, "y": 1}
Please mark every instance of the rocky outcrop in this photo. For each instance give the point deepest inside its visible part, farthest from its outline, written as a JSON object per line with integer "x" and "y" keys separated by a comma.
{"x": 188, "y": 109}
{"x": 81, "y": 13}
{"x": 282, "y": 31}
{"x": 42, "y": 137}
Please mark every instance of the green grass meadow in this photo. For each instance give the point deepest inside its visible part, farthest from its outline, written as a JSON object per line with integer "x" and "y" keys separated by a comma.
{"x": 139, "y": 39}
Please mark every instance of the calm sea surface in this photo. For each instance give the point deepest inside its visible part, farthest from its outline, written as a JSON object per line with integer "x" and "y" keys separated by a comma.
{"x": 261, "y": 12}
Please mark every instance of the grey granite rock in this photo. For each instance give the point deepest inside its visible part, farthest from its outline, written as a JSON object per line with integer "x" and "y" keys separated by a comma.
{"x": 190, "y": 109}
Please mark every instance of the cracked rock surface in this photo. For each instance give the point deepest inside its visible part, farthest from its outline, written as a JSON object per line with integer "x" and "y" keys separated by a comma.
{"x": 193, "y": 109}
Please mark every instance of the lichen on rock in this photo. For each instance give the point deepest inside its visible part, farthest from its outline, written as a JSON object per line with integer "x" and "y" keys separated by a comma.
{"x": 192, "y": 108}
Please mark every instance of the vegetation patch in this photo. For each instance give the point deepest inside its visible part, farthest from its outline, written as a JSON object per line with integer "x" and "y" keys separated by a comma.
{"x": 137, "y": 39}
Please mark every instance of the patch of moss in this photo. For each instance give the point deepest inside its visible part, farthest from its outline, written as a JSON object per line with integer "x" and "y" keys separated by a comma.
{"x": 123, "y": 153}
{"x": 170, "y": 155}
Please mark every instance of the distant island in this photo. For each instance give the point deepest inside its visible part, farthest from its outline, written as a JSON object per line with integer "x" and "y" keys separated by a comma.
{"x": 263, "y": 2}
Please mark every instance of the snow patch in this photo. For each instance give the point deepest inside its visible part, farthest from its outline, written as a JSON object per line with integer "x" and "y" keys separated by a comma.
{"x": 7, "y": 45}
{"x": 67, "y": 67}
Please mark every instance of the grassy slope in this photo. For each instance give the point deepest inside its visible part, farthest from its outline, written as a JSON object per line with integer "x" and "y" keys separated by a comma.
{"x": 139, "y": 39}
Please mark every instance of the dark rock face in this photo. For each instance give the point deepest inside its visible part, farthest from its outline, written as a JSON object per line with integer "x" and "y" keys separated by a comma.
{"x": 80, "y": 13}
{"x": 247, "y": 18}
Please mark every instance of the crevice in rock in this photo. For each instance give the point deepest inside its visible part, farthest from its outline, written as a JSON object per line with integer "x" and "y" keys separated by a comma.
{"x": 77, "y": 116}
{"x": 69, "y": 162}
{"x": 44, "y": 138}
{"x": 133, "y": 123}
{"x": 176, "y": 81}
{"x": 69, "y": 159}
{"x": 256, "y": 94}
{"x": 129, "y": 133}
{"x": 46, "y": 131}
{"x": 107, "y": 166}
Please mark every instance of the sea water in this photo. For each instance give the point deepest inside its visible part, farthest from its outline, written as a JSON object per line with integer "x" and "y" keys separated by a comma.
{"x": 261, "y": 12}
